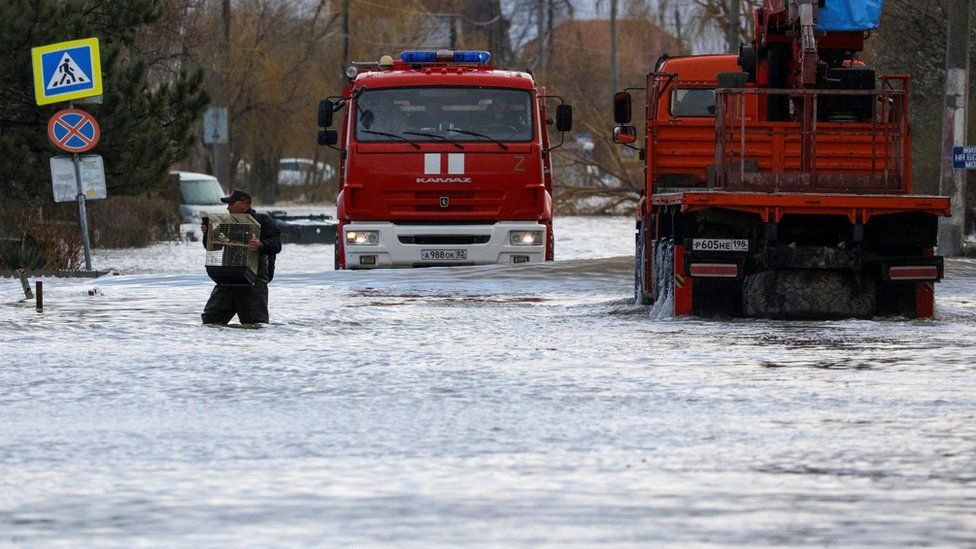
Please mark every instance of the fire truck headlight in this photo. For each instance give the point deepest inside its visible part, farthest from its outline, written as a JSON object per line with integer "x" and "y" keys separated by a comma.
{"x": 526, "y": 238}
{"x": 362, "y": 238}
{"x": 351, "y": 72}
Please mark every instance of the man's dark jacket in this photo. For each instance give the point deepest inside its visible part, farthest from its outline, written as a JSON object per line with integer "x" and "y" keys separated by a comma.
{"x": 270, "y": 244}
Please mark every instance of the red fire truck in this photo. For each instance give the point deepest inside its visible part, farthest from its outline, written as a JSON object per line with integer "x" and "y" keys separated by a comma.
{"x": 778, "y": 181}
{"x": 444, "y": 161}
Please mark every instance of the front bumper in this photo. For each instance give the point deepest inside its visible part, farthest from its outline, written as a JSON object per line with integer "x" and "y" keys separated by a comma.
{"x": 404, "y": 245}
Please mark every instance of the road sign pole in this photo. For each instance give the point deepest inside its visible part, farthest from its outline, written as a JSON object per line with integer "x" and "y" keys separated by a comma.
{"x": 82, "y": 214}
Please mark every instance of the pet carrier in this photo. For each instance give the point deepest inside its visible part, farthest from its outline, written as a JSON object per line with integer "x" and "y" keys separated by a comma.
{"x": 230, "y": 261}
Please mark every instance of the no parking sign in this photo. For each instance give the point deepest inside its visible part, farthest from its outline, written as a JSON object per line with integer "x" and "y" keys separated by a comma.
{"x": 73, "y": 130}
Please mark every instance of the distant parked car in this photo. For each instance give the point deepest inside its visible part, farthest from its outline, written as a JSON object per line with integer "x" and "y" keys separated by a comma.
{"x": 295, "y": 172}
{"x": 200, "y": 195}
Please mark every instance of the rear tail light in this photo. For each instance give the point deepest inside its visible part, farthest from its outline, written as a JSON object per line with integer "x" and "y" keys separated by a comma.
{"x": 913, "y": 272}
{"x": 714, "y": 270}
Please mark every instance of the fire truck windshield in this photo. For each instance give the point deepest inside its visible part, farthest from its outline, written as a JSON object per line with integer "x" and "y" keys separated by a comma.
{"x": 439, "y": 114}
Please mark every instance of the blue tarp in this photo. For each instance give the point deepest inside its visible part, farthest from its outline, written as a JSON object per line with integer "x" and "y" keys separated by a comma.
{"x": 850, "y": 15}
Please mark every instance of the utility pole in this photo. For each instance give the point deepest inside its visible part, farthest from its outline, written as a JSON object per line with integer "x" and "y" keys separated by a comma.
{"x": 345, "y": 36}
{"x": 541, "y": 31}
{"x": 678, "y": 31}
{"x": 953, "y": 182}
{"x": 495, "y": 30}
{"x": 493, "y": 26}
{"x": 734, "y": 29}
{"x": 221, "y": 158}
{"x": 613, "y": 46}
{"x": 549, "y": 18}
{"x": 454, "y": 35}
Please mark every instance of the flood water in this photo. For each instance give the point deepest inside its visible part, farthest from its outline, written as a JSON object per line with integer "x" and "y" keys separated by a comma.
{"x": 497, "y": 405}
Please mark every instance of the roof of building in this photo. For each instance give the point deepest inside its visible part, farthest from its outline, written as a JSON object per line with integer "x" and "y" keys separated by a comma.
{"x": 639, "y": 42}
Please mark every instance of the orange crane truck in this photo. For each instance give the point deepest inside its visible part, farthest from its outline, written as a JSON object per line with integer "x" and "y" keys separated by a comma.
{"x": 777, "y": 182}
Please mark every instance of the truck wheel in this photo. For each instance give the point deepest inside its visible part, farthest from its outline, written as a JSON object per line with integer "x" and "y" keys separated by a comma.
{"x": 640, "y": 283}
{"x": 335, "y": 255}
{"x": 808, "y": 294}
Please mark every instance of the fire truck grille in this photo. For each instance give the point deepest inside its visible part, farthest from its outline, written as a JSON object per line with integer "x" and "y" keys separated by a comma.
{"x": 475, "y": 202}
{"x": 445, "y": 239}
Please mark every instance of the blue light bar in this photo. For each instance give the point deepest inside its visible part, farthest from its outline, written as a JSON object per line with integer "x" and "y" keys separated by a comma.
{"x": 413, "y": 57}
{"x": 417, "y": 57}
{"x": 479, "y": 57}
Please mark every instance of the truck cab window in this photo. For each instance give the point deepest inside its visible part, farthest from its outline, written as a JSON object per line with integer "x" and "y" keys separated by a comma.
{"x": 693, "y": 103}
{"x": 456, "y": 114}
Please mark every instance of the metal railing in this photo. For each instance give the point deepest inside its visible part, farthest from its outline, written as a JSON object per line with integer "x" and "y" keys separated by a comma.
{"x": 754, "y": 155}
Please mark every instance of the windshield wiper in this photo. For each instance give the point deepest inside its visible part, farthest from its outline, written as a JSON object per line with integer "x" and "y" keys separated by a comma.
{"x": 400, "y": 137}
{"x": 435, "y": 136}
{"x": 476, "y": 134}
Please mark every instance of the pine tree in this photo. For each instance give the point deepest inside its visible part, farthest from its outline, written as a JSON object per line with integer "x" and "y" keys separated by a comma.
{"x": 145, "y": 128}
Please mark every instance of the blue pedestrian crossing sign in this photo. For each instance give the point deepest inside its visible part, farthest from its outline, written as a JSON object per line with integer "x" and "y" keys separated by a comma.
{"x": 66, "y": 71}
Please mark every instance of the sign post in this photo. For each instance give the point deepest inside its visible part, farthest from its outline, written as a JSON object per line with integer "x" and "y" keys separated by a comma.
{"x": 82, "y": 215}
{"x": 215, "y": 134}
{"x": 64, "y": 72}
{"x": 75, "y": 131}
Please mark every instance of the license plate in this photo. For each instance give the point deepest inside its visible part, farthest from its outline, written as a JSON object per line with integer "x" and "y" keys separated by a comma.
{"x": 444, "y": 255}
{"x": 719, "y": 245}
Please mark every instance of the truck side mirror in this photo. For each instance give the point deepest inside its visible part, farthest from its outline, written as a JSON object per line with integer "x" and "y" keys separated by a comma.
{"x": 564, "y": 118}
{"x": 326, "y": 108}
{"x": 624, "y": 135}
{"x": 328, "y": 138}
{"x": 621, "y": 108}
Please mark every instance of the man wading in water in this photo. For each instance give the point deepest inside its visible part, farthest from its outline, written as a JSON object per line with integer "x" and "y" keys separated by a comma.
{"x": 249, "y": 303}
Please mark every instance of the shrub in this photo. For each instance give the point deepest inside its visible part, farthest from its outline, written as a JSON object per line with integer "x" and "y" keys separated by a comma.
{"x": 132, "y": 221}
{"x": 37, "y": 237}
{"x": 21, "y": 253}
{"x": 35, "y": 243}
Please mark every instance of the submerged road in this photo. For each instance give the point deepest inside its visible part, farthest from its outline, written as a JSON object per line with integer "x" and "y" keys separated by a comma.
{"x": 502, "y": 404}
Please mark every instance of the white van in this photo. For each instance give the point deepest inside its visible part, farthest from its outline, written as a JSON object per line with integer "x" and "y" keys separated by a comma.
{"x": 200, "y": 195}
{"x": 295, "y": 172}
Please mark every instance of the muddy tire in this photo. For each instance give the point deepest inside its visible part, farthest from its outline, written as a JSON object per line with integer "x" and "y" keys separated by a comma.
{"x": 808, "y": 294}
{"x": 335, "y": 256}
